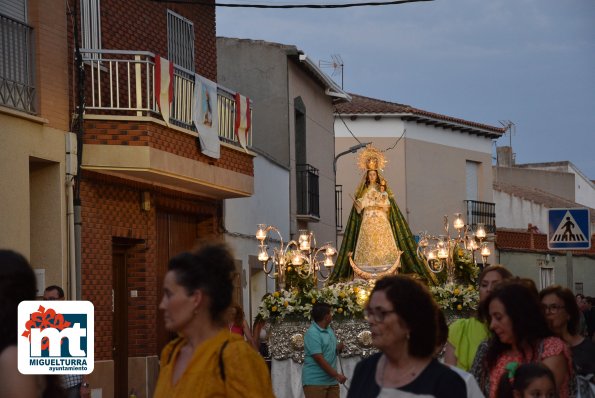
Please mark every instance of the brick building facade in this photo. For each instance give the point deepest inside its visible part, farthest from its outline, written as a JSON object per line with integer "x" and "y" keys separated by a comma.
{"x": 146, "y": 190}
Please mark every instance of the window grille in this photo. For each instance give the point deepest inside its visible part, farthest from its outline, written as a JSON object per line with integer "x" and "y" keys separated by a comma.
{"x": 91, "y": 25}
{"x": 307, "y": 191}
{"x": 180, "y": 40}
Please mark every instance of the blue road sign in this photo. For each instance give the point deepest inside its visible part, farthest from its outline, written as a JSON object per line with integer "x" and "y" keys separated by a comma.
{"x": 569, "y": 229}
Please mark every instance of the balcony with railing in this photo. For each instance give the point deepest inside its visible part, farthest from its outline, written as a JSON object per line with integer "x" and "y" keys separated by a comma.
{"x": 125, "y": 136}
{"x": 481, "y": 212}
{"x": 308, "y": 197}
{"x": 123, "y": 83}
{"x": 17, "y": 84}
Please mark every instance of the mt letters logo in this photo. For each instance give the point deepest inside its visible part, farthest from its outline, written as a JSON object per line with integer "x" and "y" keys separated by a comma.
{"x": 56, "y": 337}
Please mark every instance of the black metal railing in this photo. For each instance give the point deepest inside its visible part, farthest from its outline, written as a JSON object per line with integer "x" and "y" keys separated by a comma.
{"x": 339, "y": 206}
{"x": 481, "y": 212}
{"x": 17, "y": 87}
{"x": 307, "y": 191}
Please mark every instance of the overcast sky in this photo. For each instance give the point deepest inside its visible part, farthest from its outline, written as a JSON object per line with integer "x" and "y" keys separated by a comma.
{"x": 528, "y": 61}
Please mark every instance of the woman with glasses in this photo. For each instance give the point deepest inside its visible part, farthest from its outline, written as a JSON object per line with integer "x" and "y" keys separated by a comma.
{"x": 465, "y": 335}
{"x": 403, "y": 320}
{"x": 562, "y": 314}
{"x": 519, "y": 334}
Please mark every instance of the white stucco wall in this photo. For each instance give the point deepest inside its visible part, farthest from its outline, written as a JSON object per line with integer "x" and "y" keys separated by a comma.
{"x": 269, "y": 205}
{"x": 584, "y": 191}
{"x": 515, "y": 212}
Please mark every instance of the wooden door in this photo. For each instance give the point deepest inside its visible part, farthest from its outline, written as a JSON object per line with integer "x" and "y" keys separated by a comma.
{"x": 176, "y": 233}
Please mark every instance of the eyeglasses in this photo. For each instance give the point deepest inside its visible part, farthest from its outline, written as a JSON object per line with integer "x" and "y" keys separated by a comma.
{"x": 377, "y": 315}
{"x": 553, "y": 308}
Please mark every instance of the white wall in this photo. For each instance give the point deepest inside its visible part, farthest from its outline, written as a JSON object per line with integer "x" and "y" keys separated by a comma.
{"x": 269, "y": 205}
{"x": 515, "y": 212}
{"x": 584, "y": 190}
{"x": 390, "y": 126}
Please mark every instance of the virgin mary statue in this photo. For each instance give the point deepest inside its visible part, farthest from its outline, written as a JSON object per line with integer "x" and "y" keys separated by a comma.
{"x": 376, "y": 233}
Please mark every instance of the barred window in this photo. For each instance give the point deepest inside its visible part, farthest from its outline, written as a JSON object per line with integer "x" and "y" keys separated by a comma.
{"x": 180, "y": 40}
{"x": 91, "y": 25}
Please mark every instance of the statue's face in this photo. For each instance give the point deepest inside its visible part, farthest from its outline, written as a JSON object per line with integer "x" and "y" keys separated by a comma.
{"x": 372, "y": 175}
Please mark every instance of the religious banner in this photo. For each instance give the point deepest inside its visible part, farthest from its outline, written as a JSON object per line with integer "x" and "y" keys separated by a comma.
{"x": 243, "y": 121}
{"x": 205, "y": 116}
{"x": 164, "y": 88}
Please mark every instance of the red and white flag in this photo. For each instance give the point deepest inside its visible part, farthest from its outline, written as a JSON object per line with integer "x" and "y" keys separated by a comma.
{"x": 243, "y": 120}
{"x": 164, "y": 87}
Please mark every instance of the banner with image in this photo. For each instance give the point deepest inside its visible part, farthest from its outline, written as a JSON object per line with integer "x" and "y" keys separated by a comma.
{"x": 205, "y": 116}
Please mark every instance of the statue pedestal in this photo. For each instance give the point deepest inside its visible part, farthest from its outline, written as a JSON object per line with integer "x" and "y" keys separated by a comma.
{"x": 287, "y": 376}
{"x": 286, "y": 345}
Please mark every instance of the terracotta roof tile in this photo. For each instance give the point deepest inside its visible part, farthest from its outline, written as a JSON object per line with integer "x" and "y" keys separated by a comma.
{"x": 366, "y": 105}
{"x": 515, "y": 240}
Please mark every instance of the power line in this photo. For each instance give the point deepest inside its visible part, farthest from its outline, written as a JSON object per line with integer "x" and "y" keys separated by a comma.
{"x": 286, "y": 6}
{"x": 346, "y": 126}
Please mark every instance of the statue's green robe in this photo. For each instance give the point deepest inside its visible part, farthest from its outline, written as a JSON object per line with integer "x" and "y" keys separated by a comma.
{"x": 410, "y": 263}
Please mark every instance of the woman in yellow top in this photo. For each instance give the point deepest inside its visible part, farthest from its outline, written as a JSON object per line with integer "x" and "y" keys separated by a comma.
{"x": 206, "y": 360}
{"x": 465, "y": 335}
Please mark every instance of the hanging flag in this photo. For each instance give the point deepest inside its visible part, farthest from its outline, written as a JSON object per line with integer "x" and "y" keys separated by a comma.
{"x": 164, "y": 87}
{"x": 205, "y": 115}
{"x": 243, "y": 121}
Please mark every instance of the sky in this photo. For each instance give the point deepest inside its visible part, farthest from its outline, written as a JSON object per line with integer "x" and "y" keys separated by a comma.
{"x": 531, "y": 62}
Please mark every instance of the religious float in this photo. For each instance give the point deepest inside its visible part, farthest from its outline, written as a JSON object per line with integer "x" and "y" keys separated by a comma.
{"x": 377, "y": 242}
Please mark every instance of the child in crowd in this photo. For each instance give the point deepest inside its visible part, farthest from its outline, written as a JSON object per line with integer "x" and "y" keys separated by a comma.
{"x": 532, "y": 380}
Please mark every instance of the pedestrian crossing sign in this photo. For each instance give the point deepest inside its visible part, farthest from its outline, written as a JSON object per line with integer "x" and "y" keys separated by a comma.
{"x": 569, "y": 229}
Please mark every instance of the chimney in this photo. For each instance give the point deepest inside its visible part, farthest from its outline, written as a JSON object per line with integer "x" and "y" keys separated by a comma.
{"x": 504, "y": 156}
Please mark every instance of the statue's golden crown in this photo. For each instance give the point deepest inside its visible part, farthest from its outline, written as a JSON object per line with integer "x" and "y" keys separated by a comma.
{"x": 371, "y": 159}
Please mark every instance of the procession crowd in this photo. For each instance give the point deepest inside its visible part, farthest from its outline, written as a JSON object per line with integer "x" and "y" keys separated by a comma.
{"x": 521, "y": 343}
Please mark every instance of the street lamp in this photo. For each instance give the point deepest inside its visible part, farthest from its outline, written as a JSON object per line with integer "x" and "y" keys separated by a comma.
{"x": 438, "y": 252}
{"x": 302, "y": 255}
{"x": 352, "y": 149}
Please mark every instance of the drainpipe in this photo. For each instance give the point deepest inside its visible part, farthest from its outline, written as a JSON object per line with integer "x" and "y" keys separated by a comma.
{"x": 77, "y": 246}
{"x": 79, "y": 130}
{"x": 71, "y": 238}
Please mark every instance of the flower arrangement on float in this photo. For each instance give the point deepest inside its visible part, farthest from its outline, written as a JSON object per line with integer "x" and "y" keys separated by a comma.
{"x": 346, "y": 299}
{"x": 456, "y": 298}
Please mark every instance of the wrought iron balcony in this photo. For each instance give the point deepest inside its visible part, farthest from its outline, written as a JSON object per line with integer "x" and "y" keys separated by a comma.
{"x": 17, "y": 87}
{"x": 481, "y": 212}
{"x": 123, "y": 83}
{"x": 307, "y": 192}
